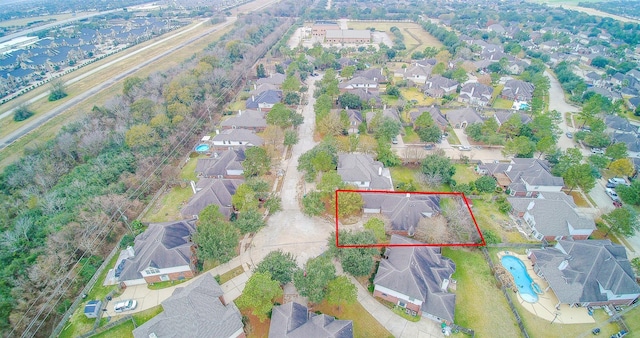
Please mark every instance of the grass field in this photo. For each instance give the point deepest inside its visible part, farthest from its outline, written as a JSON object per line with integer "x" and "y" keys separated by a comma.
{"x": 413, "y": 93}
{"x": 415, "y": 38}
{"x": 464, "y": 173}
{"x": 480, "y": 305}
{"x": 490, "y": 218}
{"x": 410, "y": 135}
{"x": 51, "y": 128}
{"x": 168, "y": 206}
{"x": 500, "y": 103}
{"x": 125, "y": 330}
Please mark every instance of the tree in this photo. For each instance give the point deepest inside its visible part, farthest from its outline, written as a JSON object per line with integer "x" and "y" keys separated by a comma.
{"x": 249, "y": 221}
{"x": 261, "y": 72}
{"x": 356, "y": 261}
{"x": 622, "y": 167}
{"x": 244, "y": 199}
{"x": 141, "y": 136}
{"x": 259, "y": 293}
{"x": 279, "y": 115}
{"x": 58, "y": 90}
{"x": 598, "y": 161}
{"x": 22, "y": 113}
{"x": 256, "y": 162}
{"x": 387, "y": 129}
{"x": 622, "y": 221}
{"x": 616, "y": 151}
{"x": 347, "y": 71}
{"x": 376, "y": 226}
{"x": 290, "y": 137}
{"x": 280, "y": 265}
{"x": 439, "y": 69}
{"x": 386, "y": 155}
{"x": 438, "y": 167}
{"x": 460, "y": 75}
{"x": 279, "y": 68}
{"x": 579, "y": 175}
{"x": 571, "y": 157}
{"x": 351, "y": 101}
{"x": 393, "y": 91}
{"x": 291, "y": 84}
{"x": 215, "y": 238}
{"x": 521, "y": 147}
{"x": 349, "y": 203}
{"x": 486, "y": 184}
{"x": 322, "y": 107}
{"x": 291, "y": 98}
{"x": 329, "y": 183}
{"x": 313, "y": 280}
{"x": 312, "y": 204}
{"x": 429, "y": 134}
{"x": 630, "y": 194}
{"x": 341, "y": 291}
{"x": 546, "y": 145}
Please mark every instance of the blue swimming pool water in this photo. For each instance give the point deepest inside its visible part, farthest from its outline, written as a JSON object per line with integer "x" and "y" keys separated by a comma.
{"x": 523, "y": 281}
{"x": 202, "y": 148}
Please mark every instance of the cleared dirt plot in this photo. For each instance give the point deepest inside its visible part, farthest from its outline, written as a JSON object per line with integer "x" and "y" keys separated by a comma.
{"x": 415, "y": 38}
{"x": 429, "y": 217}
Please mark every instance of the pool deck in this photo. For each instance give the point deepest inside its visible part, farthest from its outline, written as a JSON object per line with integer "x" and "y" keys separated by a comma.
{"x": 545, "y": 307}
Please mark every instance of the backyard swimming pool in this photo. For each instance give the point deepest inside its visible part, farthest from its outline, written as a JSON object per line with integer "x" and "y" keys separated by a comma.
{"x": 202, "y": 148}
{"x": 528, "y": 289}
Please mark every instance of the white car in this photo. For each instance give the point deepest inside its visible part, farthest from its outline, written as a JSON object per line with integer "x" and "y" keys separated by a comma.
{"x": 464, "y": 148}
{"x": 597, "y": 151}
{"x": 125, "y": 305}
{"x": 612, "y": 194}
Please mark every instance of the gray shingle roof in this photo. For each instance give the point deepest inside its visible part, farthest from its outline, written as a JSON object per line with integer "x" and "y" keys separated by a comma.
{"x": 219, "y": 163}
{"x": 403, "y": 210}
{"x": 518, "y": 90}
{"x": 275, "y": 79}
{"x": 552, "y": 217}
{"x": 503, "y": 115}
{"x": 162, "y": 245}
{"x": 419, "y": 272}
{"x": 461, "y": 115}
{"x": 212, "y": 191}
{"x": 619, "y": 123}
{"x": 591, "y": 265}
{"x": 293, "y": 320}
{"x": 532, "y": 171}
{"x": 631, "y": 140}
{"x": 435, "y": 112}
{"x": 246, "y": 136}
{"x": 194, "y": 311}
{"x": 268, "y": 97}
{"x": 246, "y": 119}
{"x": 362, "y": 168}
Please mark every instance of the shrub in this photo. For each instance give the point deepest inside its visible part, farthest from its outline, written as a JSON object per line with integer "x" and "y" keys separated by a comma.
{"x": 22, "y": 113}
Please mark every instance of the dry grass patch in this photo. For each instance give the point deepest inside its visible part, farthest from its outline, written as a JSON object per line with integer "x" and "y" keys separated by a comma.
{"x": 415, "y": 38}
{"x": 168, "y": 207}
{"x": 253, "y": 327}
{"x": 413, "y": 93}
{"x": 501, "y": 103}
{"x": 490, "y": 218}
{"x": 579, "y": 199}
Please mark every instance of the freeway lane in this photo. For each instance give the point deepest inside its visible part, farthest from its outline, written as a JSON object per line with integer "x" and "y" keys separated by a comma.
{"x": 40, "y": 120}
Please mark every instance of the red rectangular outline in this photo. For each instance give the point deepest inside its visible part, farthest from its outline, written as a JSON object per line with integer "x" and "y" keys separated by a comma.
{"x": 464, "y": 198}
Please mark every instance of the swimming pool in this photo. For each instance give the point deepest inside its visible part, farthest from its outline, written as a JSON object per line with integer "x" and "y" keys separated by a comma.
{"x": 523, "y": 281}
{"x": 202, "y": 148}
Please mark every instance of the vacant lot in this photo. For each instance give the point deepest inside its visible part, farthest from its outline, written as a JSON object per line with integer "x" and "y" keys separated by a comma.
{"x": 415, "y": 38}
{"x": 480, "y": 305}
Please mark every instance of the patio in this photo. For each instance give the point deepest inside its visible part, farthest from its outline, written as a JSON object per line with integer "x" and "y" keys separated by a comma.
{"x": 545, "y": 306}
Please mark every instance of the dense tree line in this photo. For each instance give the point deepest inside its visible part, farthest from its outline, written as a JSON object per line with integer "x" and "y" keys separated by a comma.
{"x": 66, "y": 200}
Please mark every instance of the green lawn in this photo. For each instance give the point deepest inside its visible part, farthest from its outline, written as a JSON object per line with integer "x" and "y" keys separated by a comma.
{"x": 225, "y": 277}
{"x": 465, "y": 173}
{"x": 389, "y": 100}
{"x": 490, "y": 218}
{"x": 410, "y": 135}
{"x": 364, "y": 325}
{"x": 501, "y": 103}
{"x": 238, "y": 105}
{"x": 413, "y": 93}
{"x": 164, "y": 285}
{"x": 168, "y": 206}
{"x": 632, "y": 318}
{"x": 480, "y": 305}
{"x": 452, "y": 138}
{"x": 402, "y": 174}
{"x": 124, "y": 330}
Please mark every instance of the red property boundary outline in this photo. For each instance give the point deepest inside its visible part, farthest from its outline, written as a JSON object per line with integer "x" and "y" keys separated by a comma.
{"x": 460, "y": 194}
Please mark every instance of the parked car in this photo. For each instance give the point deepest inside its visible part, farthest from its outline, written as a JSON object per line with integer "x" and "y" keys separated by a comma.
{"x": 619, "y": 334}
{"x": 429, "y": 146}
{"x": 610, "y": 185}
{"x": 464, "y": 148}
{"x": 597, "y": 151}
{"x": 394, "y": 140}
{"x": 612, "y": 194}
{"x": 617, "y": 180}
{"x": 617, "y": 204}
{"x": 569, "y": 135}
{"x": 125, "y": 305}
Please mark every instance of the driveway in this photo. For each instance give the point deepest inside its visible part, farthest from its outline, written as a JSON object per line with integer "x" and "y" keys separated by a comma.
{"x": 290, "y": 230}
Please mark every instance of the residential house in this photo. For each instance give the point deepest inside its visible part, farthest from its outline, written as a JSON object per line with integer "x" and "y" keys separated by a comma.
{"x": 503, "y": 116}
{"x": 523, "y": 177}
{"x": 355, "y": 119}
{"x": 259, "y": 89}
{"x": 236, "y": 137}
{"x": 197, "y": 310}
{"x": 462, "y": 117}
{"x": 634, "y": 103}
{"x": 226, "y": 164}
{"x": 357, "y": 83}
{"x": 631, "y": 140}
{"x": 265, "y": 100}
{"x": 249, "y": 119}
{"x": 363, "y": 172}
{"x": 294, "y": 320}
{"x": 417, "y": 278}
{"x": 439, "y": 86}
{"x": 404, "y": 210}
{"x": 587, "y": 273}
{"x": 163, "y": 252}
{"x": 635, "y": 73}
{"x": 210, "y": 191}
{"x": 391, "y": 113}
{"x": 620, "y": 124}
{"x": 417, "y": 74}
{"x": 497, "y": 28}
{"x": 275, "y": 79}
{"x": 613, "y": 96}
{"x": 374, "y": 74}
{"x": 476, "y": 94}
{"x": 552, "y": 219}
{"x": 437, "y": 116}
{"x": 594, "y": 79}
{"x": 368, "y": 96}
{"x": 517, "y": 90}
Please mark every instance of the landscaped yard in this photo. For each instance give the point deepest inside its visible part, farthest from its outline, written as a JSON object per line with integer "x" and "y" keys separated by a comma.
{"x": 452, "y": 138}
{"x": 167, "y": 207}
{"x": 501, "y": 103}
{"x": 632, "y": 318}
{"x": 490, "y": 218}
{"x": 164, "y": 285}
{"x": 480, "y": 305}
{"x": 364, "y": 325}
{"x": 413, "y": 93}
{"x": 465, "y": 173}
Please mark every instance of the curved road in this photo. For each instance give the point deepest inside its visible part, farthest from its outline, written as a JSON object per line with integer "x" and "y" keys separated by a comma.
{"x": 41, "y": 119}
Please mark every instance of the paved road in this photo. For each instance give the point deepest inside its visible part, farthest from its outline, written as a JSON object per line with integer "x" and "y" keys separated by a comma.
{"x": 558, "y": 103}
{"x": 41, "y": 119}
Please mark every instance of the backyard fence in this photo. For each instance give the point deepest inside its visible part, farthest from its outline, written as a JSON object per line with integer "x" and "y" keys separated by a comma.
{"x": 99, "y": 330}
{"x": 487, "y": 257}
